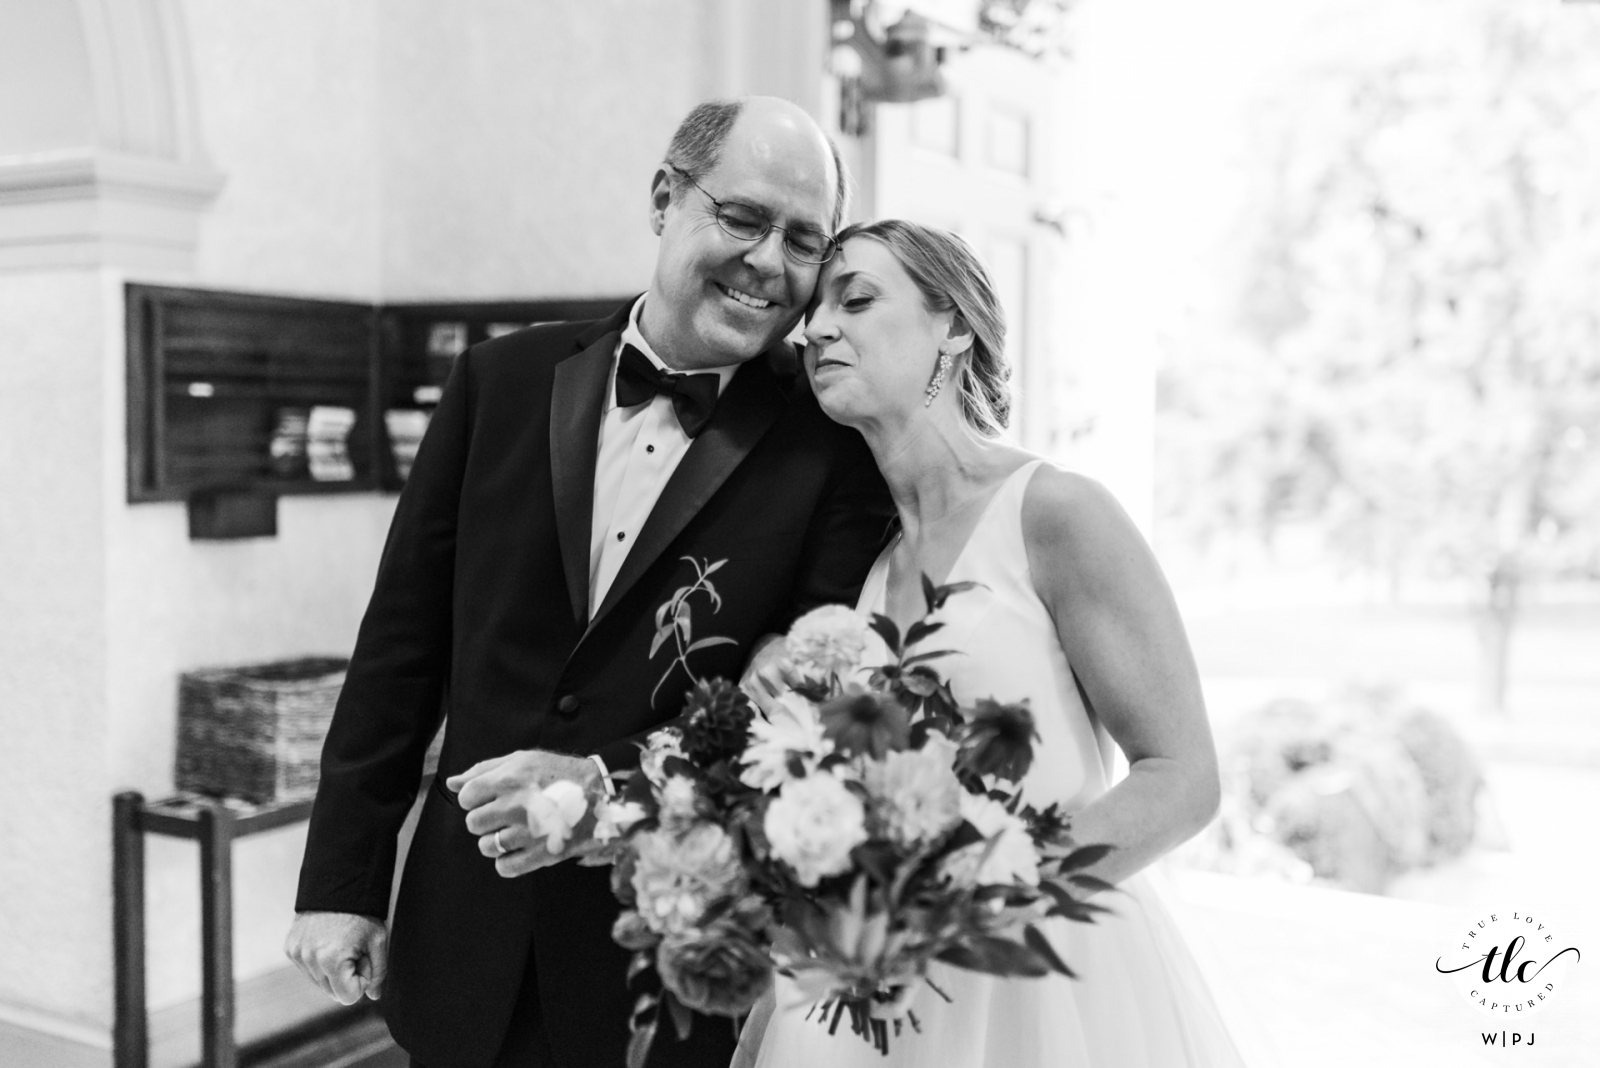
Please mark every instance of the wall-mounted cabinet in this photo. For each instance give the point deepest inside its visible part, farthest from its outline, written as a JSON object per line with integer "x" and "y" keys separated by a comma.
{"x": 244, "y": 396}
{"x": 234, "y": 392}
{"x": 420, "y": 343}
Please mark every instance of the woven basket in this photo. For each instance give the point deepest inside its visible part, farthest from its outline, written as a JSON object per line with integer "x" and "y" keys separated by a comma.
{"x": 255, "y": 732}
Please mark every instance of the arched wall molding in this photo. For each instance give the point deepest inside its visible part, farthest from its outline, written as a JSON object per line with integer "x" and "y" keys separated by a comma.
{"x": 143, "y": 88}
{"x": 134, "y": 195}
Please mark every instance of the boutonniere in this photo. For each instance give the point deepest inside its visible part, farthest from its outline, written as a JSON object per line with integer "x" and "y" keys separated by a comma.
{"x": 674, "y": 622}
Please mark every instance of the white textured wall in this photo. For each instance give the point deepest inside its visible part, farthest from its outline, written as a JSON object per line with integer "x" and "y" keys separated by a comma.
{"x": 54, "y": 794}
{"x": 373, "y": 150}
{"x": 518, "y": 149}
{"x": 288, "y": 95}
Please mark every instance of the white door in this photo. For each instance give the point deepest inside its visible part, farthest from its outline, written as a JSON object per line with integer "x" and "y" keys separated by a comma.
{"x": 982, "y": 161}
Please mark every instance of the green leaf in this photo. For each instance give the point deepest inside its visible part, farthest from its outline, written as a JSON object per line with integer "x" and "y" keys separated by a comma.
{"x": 995, "y": 956}
{"x": 660, "y": 638}
{"x": 942, "y": 594}
{"x": 706, "y": 643}
{"x": 682, "y": 1018}
{"x": 639, "y": 1040}
{"x": 887, "y": 630}
{"x": 964, "y": 835}
{"x": 921, "y": 658}
{"x": 1059, "y": 894}
{"x": 714, "y": 568}
{"x": 930, "y": 594}
{"x": 920, "y": 630}
{"x": 640, "y": 963}
{"x": 1069, "y": 906}
{"x": 1041, "y": 945}
{"x": 1084, "y": 911}
{"x": 877, "y": 859}
{"x": 677, "y": 765}
{"x": 1084, "y": 857}
{"x": 1092, "y": 883}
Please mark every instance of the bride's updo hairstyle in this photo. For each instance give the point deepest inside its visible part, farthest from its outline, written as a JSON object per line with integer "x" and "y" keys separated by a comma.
{"x": 948, "y": 273}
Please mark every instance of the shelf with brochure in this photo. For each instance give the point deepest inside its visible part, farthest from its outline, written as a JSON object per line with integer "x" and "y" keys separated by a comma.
{"x": 236, "y": 399}
{"x": 249, "y": 395}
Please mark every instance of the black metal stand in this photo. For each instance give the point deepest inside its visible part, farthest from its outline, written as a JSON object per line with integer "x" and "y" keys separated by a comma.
{"x": 215, "y": 825}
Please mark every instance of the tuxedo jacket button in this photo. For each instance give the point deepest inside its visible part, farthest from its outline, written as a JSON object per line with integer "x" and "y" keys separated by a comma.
{"x": 568, "y": 705}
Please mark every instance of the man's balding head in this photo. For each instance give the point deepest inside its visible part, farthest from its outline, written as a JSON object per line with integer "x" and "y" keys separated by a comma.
{"x": 696, "y": 147}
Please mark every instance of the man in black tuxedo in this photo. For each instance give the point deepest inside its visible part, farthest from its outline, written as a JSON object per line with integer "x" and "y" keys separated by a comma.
{"x": 573, "y": 477}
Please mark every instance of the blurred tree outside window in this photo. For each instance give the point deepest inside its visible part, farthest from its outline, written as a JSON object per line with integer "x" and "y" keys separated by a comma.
{"x": 1418, "y": 378}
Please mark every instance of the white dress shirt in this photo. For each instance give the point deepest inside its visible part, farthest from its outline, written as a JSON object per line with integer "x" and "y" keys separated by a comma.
{"x": 640, "y": 447}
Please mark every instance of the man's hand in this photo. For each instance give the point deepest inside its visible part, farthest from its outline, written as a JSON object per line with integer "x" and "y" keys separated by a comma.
{"x": 763, "y": 676}
{"x": 345, "y": 954}
{"x": 496, "y": 793}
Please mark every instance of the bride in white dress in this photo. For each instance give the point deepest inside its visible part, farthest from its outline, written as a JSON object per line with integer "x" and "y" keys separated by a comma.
{"x": 905, "y": 344}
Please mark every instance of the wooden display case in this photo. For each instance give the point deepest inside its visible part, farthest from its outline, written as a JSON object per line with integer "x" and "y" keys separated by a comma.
{"x": 420, "y": 342}
{"x": 248, "y": 394}
{"x": 236, "y": 399}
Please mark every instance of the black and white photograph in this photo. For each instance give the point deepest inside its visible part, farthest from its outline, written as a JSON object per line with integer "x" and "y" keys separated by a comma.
{"x": 800, "y": 533}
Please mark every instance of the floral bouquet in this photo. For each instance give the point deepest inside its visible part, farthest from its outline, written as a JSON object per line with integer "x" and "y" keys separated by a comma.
{"x": 858, "y": 829}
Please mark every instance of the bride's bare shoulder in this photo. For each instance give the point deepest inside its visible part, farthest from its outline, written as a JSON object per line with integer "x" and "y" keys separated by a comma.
{"x": 1071, "y": 520}
{"x": 1057, "y": 498}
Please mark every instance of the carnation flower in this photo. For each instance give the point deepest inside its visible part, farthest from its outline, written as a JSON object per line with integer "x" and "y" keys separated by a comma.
{"x": 813, "y": 825}
{"x": 680, "y": 801}
{"x": 664, "y": 743}
{"x": 554, "y": 811}
{"x": 828, "y": 641}
{"x": 721, "y": 971}
{"x": 916, "y": 792}
{"x": 614, "y": 818}
{"x": 717, "y": 721}
{"x": 998, "y": 740}
{"x": 1005, "y": 856}
{"x": 790, "y": 734}
{"x": 864, "y": 723}
{"x": 675, "y": 876}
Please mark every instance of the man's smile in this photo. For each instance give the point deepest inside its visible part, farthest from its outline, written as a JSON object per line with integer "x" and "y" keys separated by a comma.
{"x": 748, "y": 300}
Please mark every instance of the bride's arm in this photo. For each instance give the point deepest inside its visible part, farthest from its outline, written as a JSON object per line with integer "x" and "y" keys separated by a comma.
{"x": 1120, "y": 628}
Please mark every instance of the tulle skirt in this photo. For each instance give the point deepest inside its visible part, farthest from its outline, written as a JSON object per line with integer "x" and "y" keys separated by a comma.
{"x": 1140, "y": 1001}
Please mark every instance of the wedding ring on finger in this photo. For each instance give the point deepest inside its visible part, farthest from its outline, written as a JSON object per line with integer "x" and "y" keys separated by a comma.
{"x": 500, "y": 849}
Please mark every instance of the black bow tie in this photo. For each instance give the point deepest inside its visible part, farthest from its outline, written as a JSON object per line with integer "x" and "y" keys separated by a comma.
{"x": 693, "y": 396}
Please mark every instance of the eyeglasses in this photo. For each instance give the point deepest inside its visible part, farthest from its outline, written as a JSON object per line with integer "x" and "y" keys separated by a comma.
{"x": 745, "y": 223}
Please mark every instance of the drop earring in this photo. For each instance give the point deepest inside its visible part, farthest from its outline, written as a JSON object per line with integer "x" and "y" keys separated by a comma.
{"x": 939, "y": 374}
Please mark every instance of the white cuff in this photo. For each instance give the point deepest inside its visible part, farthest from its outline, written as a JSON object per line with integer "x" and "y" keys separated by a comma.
{"x": 605, "y": 776}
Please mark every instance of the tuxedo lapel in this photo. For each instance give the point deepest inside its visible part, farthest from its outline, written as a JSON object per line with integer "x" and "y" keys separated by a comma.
{"x": 577, "y": 401}
{"x": 750, "y": 404}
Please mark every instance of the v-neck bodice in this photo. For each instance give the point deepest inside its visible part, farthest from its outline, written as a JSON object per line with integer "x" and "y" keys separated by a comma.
{"x": 1004, "y": 646}
{"x": 877, "y": 584}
